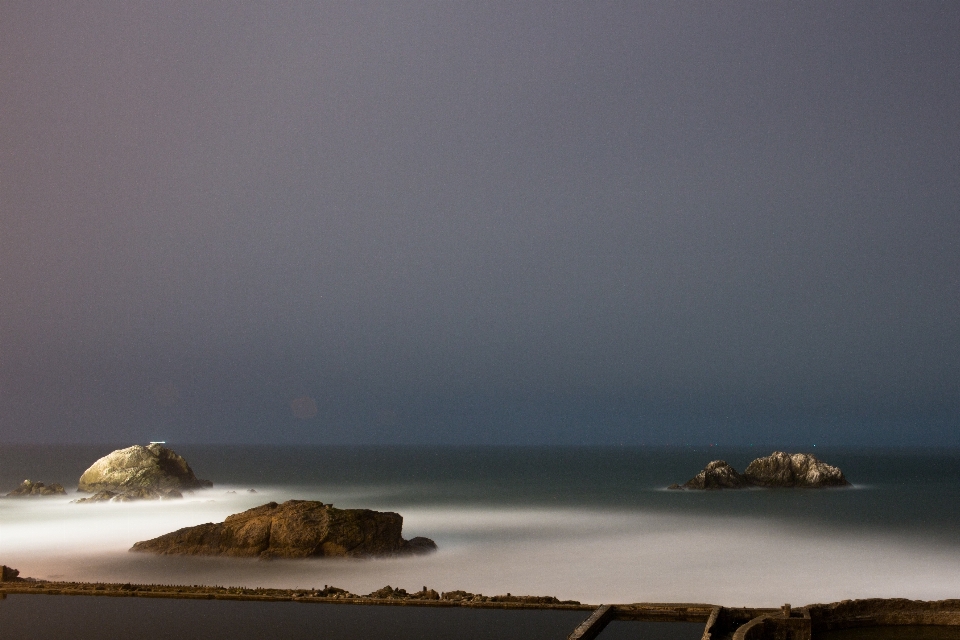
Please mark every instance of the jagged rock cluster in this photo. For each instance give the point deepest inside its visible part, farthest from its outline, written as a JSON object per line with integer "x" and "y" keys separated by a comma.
{"x": 30, "y": 488}
{"x": 779, "y": 469}
{"x": 139, "y": 473}
{"x": 716, "y": 475}
{"x": 294, "y": 529}
{"x": 465, "y": 596}
{"x": 389, "y": 593}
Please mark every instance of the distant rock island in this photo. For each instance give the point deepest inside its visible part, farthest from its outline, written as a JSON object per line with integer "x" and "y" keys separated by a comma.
{"x": 30, "y": 488}
{"x": 716, "y": 475}
{"x": 294, "y": 529}
{"x": 779, "y": 469}
{"x": 139, "y": 473}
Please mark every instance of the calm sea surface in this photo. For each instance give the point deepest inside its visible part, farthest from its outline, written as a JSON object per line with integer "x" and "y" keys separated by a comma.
{"x": 590, "y": 524}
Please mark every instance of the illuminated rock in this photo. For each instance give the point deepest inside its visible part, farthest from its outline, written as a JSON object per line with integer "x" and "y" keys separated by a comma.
{"x": 717, "y": 475}
{"x": 131, "y": 495}
{"x": 781, "y": 469}
{"x": 294, "y": 529}
{"x": 141, "y": 472}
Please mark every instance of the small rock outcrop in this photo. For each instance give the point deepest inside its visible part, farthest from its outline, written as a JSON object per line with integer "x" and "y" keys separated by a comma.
{"x": 30, "y": 488}
{"x": 781, "y": 469}
{"x": 419, "y": 546}
{"x": 294, "y": 529}
{"x": 389, "y": 593}
{"x": 140, "y": 473}
{"x": 717, "y": 475}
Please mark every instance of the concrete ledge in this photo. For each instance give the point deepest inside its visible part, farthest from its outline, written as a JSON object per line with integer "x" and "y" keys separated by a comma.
{"x": 721, "y": 623}
{"x": 769, "y": 627}
{"x": 711, "y": 623}
{"x": 666, "y": 612}
{"x": 592, "y": 626}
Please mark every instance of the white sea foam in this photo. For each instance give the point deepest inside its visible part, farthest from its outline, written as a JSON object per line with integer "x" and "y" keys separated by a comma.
{"x": 588, "y": 555}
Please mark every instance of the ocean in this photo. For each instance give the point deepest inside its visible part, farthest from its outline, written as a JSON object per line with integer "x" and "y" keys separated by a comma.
{"x": 594, "y": 524}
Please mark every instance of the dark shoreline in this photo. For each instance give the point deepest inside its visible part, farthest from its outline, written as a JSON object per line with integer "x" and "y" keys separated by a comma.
{"x": 720, "y": 623}
{"x": 54, "y": 617}
{"x": 201, "y": 592}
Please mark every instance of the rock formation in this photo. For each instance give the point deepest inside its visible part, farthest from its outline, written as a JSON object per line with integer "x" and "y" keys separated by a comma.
{"x": 30, "y": 488}
{"x": 717, "y": 475}
{"x": 389, "y": 593}
{"x": 140, "y": 473}
{"x": 419, "y": 546}
{"x": 781, "y": 469}
{"x": 9, "y": 574}
{"x": 131, "y": 495}
{"x": 294, "y": 529}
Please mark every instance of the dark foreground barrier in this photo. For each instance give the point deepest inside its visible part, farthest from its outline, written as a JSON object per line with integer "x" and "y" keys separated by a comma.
{"x": 35, "y": 617}
{"x": 786, "y": 623}
{"x": 150, "y": 611}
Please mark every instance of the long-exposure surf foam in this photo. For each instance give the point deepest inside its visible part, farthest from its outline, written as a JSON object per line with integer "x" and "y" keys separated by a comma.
{"x": 591, "y": 555}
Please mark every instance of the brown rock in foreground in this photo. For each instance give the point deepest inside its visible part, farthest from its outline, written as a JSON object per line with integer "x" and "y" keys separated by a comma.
{"x": 781, "y": 469}
{"x": 31, "y": 488}
{"x": 294, "y": 529}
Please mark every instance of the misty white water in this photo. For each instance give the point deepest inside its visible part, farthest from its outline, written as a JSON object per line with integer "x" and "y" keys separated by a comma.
{"x": 759, "y": 548}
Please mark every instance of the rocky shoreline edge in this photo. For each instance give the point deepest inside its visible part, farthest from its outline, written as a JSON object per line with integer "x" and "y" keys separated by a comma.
{"x": 721, "y": 623}
{"x": 12, "y": 584}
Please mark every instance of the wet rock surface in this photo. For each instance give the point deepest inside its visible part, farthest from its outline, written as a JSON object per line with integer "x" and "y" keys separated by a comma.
{"x": 716, "y": 475}
{"x": 140, "y": 473}
{"x": 131, "y": 495}
{"x": 779, "y": 469}
{"x": 31, "y": 488}
{"x": 294, "y": 529}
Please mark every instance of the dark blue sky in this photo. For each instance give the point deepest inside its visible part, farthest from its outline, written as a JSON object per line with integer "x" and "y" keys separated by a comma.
{"x": 417, "y": 222}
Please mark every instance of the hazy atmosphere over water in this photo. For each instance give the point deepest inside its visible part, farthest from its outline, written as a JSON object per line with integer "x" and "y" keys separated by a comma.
{"x": 434, "y": 222}
{"x": 593, "y": 524}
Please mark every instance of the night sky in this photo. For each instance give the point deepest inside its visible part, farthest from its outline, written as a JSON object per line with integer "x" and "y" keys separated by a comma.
{"x": 480, "y": 223}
